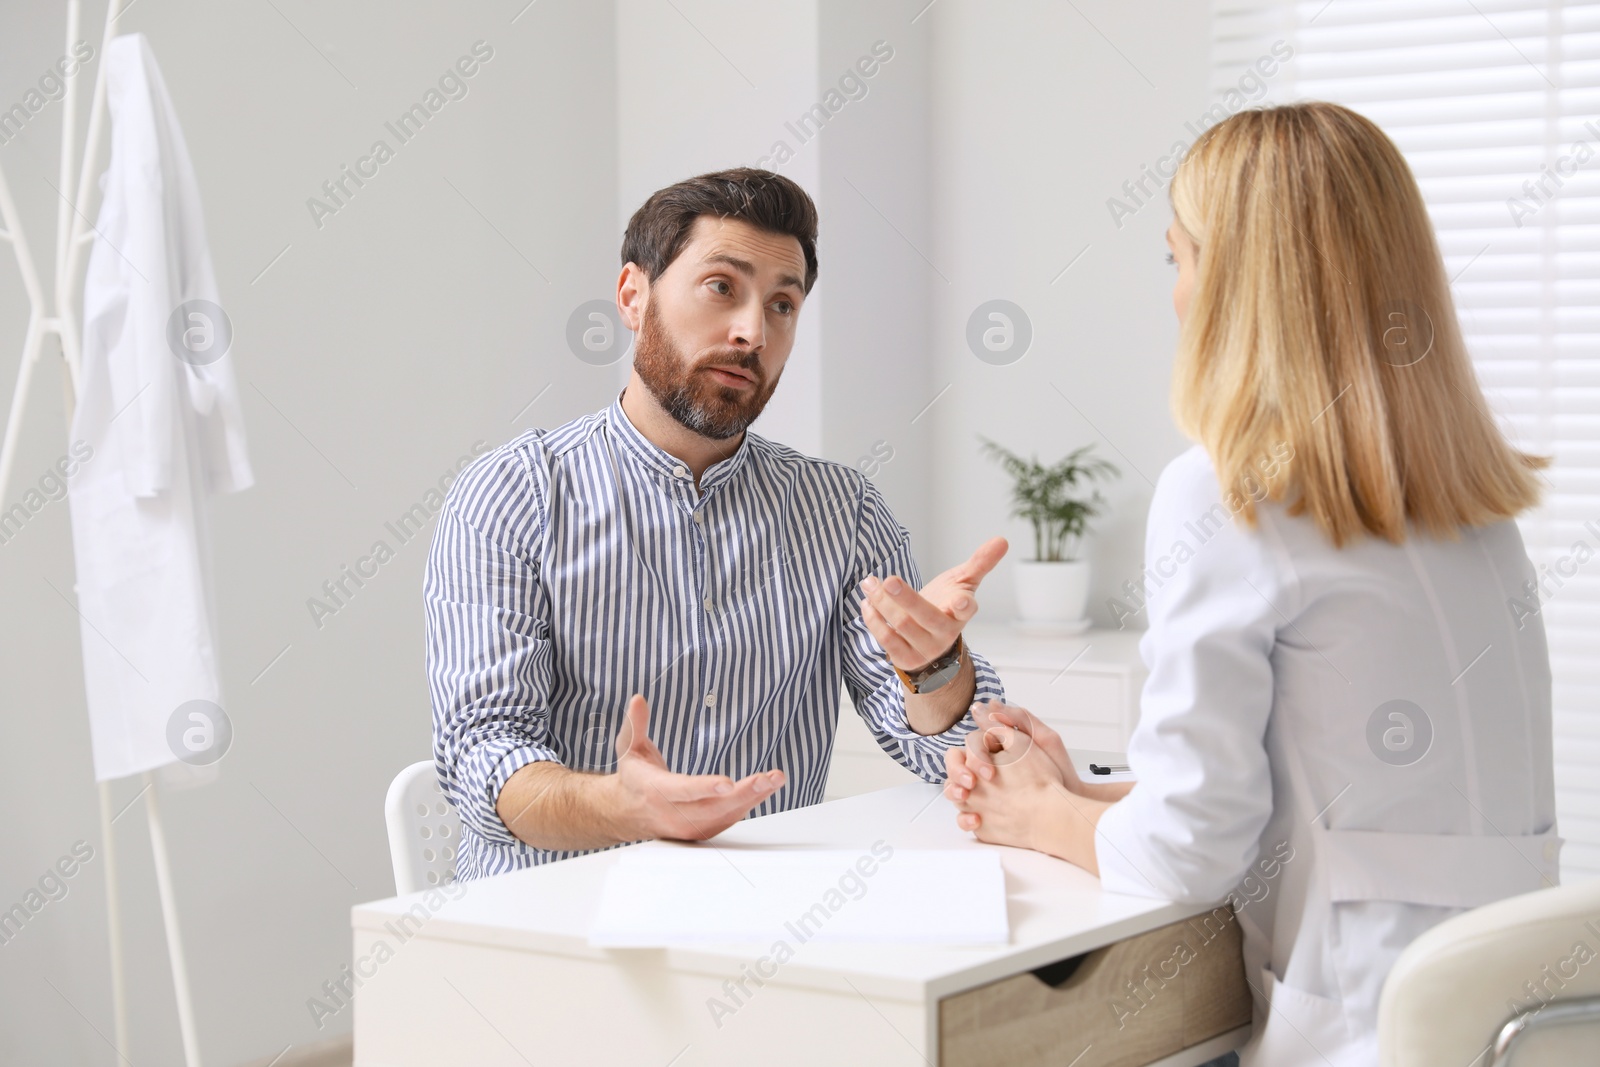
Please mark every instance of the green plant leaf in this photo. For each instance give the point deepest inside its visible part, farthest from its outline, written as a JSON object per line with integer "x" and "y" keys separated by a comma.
{"x": 1049, "y": 497}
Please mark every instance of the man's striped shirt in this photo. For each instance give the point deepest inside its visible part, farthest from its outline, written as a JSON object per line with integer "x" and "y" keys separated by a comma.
{"x": 576, "y": 566}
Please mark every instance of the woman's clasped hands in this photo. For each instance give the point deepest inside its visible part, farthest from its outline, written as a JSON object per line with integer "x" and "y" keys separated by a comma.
{"x": 1013, "y": 783}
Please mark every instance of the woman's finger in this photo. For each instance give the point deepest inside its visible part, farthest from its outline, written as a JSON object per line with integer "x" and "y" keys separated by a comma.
{"x": 958, "y": 779}
{"x": 1014, "y": 717}
{"x": 977, "y": 754}
{"x": 1042, "y": 733}
{"x": 958, "y": 768}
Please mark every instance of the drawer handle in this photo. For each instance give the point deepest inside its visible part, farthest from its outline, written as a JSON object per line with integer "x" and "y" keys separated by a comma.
{"x": 1056, "y": 974}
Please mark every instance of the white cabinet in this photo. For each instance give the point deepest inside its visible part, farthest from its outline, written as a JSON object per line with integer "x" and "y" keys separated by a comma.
{"x": 1086, "y": 687}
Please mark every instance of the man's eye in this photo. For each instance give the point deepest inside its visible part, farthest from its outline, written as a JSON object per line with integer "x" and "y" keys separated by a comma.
{"x": 784, "y": 307}
{"x": 724, "y": 289}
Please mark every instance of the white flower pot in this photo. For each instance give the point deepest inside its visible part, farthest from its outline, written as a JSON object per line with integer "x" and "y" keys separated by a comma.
{"x": 1052, "y": 594}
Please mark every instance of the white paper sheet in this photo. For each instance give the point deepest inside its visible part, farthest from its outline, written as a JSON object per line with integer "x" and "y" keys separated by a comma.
{"x": 657, "y": 897}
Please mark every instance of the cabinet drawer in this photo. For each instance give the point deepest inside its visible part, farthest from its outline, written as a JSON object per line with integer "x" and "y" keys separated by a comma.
{"x": 1068, "y": 696}
{"x": 1130, "y": 1003}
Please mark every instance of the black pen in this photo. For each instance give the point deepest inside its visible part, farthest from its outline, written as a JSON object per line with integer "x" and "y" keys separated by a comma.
{"x": 1095, "y": 768}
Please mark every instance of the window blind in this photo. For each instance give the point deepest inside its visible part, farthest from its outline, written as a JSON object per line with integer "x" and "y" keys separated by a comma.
{"x": 1496, "y": 106}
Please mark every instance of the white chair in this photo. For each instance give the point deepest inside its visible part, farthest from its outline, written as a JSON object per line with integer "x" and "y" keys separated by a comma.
{"x": 1465, "y": 992}
{"x": 424, "y": 830}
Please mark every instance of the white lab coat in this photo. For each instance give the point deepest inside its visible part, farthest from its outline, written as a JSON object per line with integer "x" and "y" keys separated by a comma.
{"x": 1269, "y": 654}
{"x": 163, "y": 431}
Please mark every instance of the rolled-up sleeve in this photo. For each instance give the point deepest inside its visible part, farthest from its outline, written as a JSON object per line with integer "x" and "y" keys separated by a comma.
{"x": 488, "y": 636}
{"x": 883, "y": 547}
{"x": 1190, "y": 828}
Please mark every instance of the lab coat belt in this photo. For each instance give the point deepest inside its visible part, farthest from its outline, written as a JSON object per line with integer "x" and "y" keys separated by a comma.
{"x": 1447, "y": 870}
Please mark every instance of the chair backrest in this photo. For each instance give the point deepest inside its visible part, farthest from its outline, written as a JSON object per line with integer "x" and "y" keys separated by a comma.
{"x": 1455, "y": 988}
{"x": 424, "y": 830}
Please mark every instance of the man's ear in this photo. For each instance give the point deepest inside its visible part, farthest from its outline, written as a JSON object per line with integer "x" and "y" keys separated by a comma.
{"x": 633, "y": 292}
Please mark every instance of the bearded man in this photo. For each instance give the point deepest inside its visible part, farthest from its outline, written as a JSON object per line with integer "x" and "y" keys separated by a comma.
{"x": 638, "y": 622}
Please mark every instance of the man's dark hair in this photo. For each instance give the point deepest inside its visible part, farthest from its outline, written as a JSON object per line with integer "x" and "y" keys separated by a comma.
{"x": 660, "y": 228}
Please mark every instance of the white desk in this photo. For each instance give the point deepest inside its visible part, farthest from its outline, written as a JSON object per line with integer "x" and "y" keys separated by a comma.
{"x": 504, "y": 974}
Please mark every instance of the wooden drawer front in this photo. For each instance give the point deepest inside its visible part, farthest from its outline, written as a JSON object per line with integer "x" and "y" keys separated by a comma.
{"x": 1073, "y": 695}
{"x": 1128, "y": 1004}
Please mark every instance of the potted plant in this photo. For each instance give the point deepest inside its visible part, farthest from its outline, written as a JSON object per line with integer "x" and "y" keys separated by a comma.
{"x": 1053, "y": 586}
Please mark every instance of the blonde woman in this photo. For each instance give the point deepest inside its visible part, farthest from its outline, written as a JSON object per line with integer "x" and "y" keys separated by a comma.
{"x": 1346, "y": 728}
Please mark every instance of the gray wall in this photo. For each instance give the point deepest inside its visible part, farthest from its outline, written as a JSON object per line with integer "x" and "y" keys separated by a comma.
{"x": 422, "y": 318}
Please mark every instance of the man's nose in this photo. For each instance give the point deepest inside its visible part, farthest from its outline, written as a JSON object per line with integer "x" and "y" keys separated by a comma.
{"x": 749, "y": 329}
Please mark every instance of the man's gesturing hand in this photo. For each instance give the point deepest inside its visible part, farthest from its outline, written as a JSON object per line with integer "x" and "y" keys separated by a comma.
{"x": 915, "y": 628}
{"x": 651, "y": 801}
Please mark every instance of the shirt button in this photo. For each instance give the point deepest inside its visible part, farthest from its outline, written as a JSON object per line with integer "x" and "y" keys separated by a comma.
{"x": 680, "y": 471}
{"x": 711, "y": 698}
{"x": 708, "y": 603}
{"x": 699, "y": 518}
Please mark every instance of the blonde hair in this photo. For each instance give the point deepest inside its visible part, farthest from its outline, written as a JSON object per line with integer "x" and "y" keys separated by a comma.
{"x": 1321, "y": 323}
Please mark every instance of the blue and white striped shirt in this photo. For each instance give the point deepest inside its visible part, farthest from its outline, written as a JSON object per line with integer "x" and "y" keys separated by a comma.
{"x": 574, "y": 567}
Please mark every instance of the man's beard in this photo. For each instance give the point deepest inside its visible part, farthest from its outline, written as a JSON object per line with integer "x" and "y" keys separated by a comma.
{"x": 689, "y": 393}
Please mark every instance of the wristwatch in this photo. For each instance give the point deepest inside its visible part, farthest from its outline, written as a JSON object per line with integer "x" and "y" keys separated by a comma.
{"x": 940, "y": 672}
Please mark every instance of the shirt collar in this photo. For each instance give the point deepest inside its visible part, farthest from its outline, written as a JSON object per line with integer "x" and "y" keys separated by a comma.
{"x": 665, "y": 463}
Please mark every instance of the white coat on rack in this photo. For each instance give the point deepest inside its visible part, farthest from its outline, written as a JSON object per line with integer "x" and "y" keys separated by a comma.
{"x": 165, "y": 431}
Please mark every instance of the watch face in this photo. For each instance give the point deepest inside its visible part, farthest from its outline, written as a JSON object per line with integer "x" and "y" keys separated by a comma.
{"x": 940, "y": 676}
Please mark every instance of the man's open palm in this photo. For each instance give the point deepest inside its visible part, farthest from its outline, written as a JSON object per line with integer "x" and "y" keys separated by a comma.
{"x": 916, "y": 626}
{"x": 658, "y": 802}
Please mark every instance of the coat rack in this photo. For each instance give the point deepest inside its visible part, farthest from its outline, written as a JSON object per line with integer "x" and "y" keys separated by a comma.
{"x": 57, "y": 317}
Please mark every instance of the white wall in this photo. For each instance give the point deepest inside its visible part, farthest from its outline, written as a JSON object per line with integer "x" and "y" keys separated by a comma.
{"x": 701, "y": 86}
{"x": 705, "y": 84}
{"x": 875, "y": 204}
{"x": 422, "y": 318}
{"x": 1037, "y": 120}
